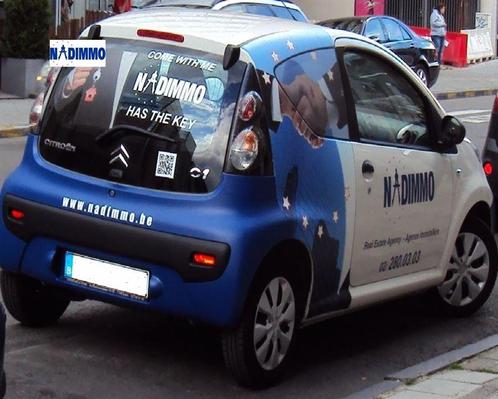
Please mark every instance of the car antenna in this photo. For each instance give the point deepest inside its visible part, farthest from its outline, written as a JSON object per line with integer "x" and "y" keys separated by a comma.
{"x": 288, "y": 10}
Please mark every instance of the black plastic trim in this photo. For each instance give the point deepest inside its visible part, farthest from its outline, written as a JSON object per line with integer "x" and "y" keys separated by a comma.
{"x": 170, "y": 250}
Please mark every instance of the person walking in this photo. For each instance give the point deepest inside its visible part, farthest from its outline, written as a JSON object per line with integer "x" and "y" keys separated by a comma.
{"x": 438, "y": 30}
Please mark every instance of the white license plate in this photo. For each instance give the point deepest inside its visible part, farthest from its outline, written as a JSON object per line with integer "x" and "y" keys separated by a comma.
{"x": 108, "y": 276}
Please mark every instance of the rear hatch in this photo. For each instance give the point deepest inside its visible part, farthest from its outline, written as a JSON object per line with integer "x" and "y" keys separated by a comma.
{"x": 157, "y": 116}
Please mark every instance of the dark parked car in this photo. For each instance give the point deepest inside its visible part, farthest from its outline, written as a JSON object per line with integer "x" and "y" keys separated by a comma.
{"x": 490, "y": 154}
{"x": 420, "y": 54}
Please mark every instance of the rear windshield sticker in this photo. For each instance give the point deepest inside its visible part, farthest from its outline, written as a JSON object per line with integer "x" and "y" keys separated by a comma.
{"x": 169, "y": 87}
{"x": 166, "y": 164}
{"x": 164, "y": 118}
{"x": 182, "y": 60}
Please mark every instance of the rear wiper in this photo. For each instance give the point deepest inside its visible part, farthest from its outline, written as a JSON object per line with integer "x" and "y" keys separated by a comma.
{"x": 123, "y": 129}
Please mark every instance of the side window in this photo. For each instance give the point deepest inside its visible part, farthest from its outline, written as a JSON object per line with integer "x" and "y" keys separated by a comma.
{"x": 312, "y": 95}
{"x": 406, "y": 35}
{"x": 388, "y": 108}
{"x": 259, "y": 9}
{"x": 281, "y": 12}
{"x": 236, "y": 8}
{"x": 374, "y": 30}
{"x": 298, "y": 16}
{"x": 393, "y": 30}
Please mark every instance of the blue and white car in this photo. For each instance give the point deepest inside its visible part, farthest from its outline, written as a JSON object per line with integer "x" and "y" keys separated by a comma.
{"x": 255, "y": 174}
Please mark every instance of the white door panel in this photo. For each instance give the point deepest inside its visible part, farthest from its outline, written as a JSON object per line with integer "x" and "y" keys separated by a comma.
{"x": 403, "y": 211}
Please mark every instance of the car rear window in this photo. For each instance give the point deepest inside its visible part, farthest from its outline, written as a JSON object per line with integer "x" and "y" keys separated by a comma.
{"x": 156, "y": 116}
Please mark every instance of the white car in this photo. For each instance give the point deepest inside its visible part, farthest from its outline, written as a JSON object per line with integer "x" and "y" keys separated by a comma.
{"x": 270, "y": 8}
{"x": 253, "y": 173}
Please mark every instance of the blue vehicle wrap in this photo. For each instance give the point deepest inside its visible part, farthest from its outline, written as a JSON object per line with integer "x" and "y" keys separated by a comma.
{"x": 305, "y": 201}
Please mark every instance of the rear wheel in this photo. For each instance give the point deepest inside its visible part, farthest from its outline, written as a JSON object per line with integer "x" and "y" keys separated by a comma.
{"x": 471, "y": 272}
{"x": 29, "y": 301}
{"x": 257, "y": 351}
{"x": 421, "y": 72}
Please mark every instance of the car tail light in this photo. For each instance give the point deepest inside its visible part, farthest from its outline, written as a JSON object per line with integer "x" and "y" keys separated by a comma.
{"x": 249, "y": 106}
{"x": 16, "y": 214}
{"x": 495, "y": 105}
{"x": 244, "y": 149}
{"x": 155, "y": 34}
{"x": 204, "y": 259}
{"x": 488, "y": 168}
{"x": 36, "y": 110}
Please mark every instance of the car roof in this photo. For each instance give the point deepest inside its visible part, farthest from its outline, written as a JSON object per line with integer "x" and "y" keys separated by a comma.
{"x": 214, "y": 26}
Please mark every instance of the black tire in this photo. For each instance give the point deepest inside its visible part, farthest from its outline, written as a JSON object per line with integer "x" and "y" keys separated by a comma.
{"x": 422, "y": 73}
{"x": 239, "y": 349}
{"x": 479, "y": 229}
{"x": 30, "y": 302}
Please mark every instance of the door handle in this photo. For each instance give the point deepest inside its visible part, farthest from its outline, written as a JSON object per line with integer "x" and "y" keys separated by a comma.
{"x": 367, "y": 168}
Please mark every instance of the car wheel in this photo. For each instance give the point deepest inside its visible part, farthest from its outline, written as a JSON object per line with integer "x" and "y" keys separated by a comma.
{"x": 257, "y": 351}
{"x": 29, "y": 301}
{"x": 471, "y": 272}
{"x": 421, "y": 72}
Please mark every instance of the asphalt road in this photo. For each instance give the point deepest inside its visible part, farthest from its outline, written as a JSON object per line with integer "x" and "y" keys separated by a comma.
{"x": 102, "y": 351}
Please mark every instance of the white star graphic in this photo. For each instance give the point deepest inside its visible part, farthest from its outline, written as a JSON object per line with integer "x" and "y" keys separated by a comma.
{"x": 305, "y": 222}
{"x": 320, "y": 231}
{"x": 347, "y": 193}
{"x": 336, "y": 217}
{"x": 287, "y": 204}
{"x": 290, "y": 45}
{"x": 330, "y": 74}
{"x": 267, "y": 78}
{"x": 313, "y": 56}
{"x": 274, "y": 55}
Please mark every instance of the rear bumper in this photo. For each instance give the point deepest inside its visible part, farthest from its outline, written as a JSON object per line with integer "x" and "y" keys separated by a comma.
{"x": 141, "y": 244}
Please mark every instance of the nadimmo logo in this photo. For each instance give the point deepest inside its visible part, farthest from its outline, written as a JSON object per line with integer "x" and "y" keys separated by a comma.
{"x": 77, "y": 53}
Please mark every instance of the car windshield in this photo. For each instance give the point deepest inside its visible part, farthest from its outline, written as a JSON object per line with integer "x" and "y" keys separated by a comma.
{"x": 165, "y": 110}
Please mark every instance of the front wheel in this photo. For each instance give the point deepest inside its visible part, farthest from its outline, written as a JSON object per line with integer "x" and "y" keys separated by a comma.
{"x": 30, "y": 302}
{"x": 257, "y": 351}
{"x": 421, "y": 72}
{"x": 471, "y": 272}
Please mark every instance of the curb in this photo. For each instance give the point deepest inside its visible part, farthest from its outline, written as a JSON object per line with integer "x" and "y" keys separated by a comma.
{"x": 427, "y": 367}
{"x": 17, "y": 131}
{"x": 451, "y": 95}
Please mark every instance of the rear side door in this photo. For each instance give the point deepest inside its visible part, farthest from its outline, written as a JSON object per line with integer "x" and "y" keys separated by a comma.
{"x": 400, "y": 42}
{"x": 403, "y": 185}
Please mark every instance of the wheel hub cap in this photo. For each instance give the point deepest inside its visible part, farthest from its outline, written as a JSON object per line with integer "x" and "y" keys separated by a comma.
{"x": 468, "y": 271}
{"x": 274, "y": 323}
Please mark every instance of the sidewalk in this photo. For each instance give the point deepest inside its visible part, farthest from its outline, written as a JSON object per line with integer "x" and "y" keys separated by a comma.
{"x": 476, "y": 378}
{"x": 476, "y": 79}
{"x": 14, "y": 115}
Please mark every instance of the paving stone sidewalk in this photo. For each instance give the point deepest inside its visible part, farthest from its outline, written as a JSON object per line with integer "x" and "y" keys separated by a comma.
{"x": 476, "y": 378}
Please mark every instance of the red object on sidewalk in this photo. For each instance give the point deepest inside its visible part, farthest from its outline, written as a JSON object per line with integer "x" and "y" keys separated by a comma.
{"x": 121, "y": 6}
{"x": 456, "y": 52}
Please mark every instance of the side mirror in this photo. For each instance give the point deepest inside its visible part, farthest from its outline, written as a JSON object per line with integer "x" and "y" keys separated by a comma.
{"x": 452, "y": 131}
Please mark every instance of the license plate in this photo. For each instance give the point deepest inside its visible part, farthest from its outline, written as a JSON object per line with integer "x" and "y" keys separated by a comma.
{"x": 107, "y": 276}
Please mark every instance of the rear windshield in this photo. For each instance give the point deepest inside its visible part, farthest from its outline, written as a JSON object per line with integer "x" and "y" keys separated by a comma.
{"x": 155, "y": 116}
{"x": 352, "y": 25}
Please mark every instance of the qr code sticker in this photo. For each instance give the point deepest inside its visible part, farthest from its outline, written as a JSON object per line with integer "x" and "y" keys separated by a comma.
{"x": 166, "y": 163}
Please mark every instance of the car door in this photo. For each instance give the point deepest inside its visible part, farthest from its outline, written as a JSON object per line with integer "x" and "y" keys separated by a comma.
{"x": 399, "y": 41}
{"x": 403, "y": 185}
